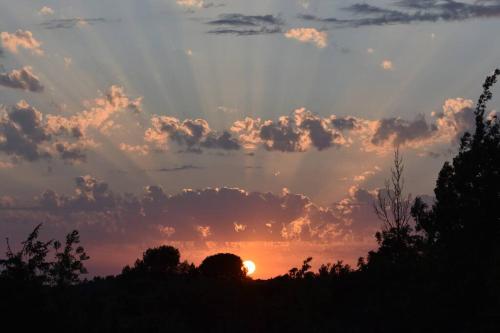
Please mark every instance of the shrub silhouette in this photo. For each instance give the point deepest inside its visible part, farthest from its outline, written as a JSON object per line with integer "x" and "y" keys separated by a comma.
{"x": 223, "y": 266}
{"x": 68, "y": 266}
{"x": 29, "y": 265}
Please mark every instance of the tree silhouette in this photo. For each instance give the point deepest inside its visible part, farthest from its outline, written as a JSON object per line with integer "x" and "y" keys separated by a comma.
{"x": 159, "y": 260}
{"x": 223, "y": 266}
{"x": 464, "y": 223}
{"x": 300, "y": 273}
{"x": 68, "y": 266}
{"x": 27, "y": 265}
{"x": 393, "y": 208}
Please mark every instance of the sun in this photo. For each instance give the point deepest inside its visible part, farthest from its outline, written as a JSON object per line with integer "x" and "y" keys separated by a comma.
{"x": 250, "y": 266}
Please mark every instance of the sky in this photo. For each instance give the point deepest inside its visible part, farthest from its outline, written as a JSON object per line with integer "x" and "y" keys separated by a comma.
{"x": 262, "y": 128}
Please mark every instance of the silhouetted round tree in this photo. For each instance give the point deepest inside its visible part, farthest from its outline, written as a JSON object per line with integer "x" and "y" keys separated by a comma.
{"x": 159, "y": 260}
{"x": 224, "y": 266}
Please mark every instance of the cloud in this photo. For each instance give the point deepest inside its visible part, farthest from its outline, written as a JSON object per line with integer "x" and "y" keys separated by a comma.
{"x": 401, "y": 131}
{"x": 70, "y": 23}
{"x": 22, "y": 133}
{"x": 6, "y": 165}
{"x": 387, "y": 65}
{"x": 411, "y": 11}
{"x": 67, "y": 62}
{"x": 46, "y": 11}
{"x": 142, "y": 150}
{"x": 303, "y": 130}
{"x": 208, "y": 214}
{"x": 308, "y": 35}
{"x": 71, "y": 152}
{"x": 197, "y": 4}
{"x": 20, "y": 39}
{"x": 99, "y": 114}
{"x": 295, "y": 133}
{"x": 21, "y": 79}
{"x": 194, "y": 134}
{"x": 365, "y": 174}
{"x": 304, "y": 3}
{"x": 456, "y": 117}
{"x": 191, "y": 3}
{"x": 246, "y": 25}
{"x": 25, "y": 134}
{"x": 179, "y": 168}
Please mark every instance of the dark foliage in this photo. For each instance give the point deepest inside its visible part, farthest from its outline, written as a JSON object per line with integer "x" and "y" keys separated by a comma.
{"x": 223, "y": 266}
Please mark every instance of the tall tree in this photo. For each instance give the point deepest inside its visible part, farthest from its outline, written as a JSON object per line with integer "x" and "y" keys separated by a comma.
{"x": 393, "y": 206}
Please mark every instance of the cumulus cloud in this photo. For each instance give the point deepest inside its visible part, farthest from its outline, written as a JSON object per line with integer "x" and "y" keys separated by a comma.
{"x": 20, "y": 39}
{"x": 295, "y": 133}
{"x": 303, "y": 130}
{"x": 137, "y": 149}
{"x": 401, "y": 131}
{"x": 387, "y": 65}
{"x": 246, "y": 25}
{"x": 46, "y": 11}
{"x": 99, "y": 114}
{"x": 21, "y": 79}
{"x": 68, "y": 62}
{"x": 25, "y": 134}
{"x": 456, "y": 117}
{"x": 194, "y": 134}
{"x": 22, "y": 133}
{"x": 191, "y": 3}
{"x": 195, "y": 4}
{"x": 308, "y": 35}
{"x": 366, "y": 174}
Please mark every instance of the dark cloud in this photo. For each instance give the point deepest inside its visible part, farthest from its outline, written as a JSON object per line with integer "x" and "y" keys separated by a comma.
{"x": 411, "y": 11}
{"x": 21, "y": 79}
{"x": 25, "y": 134}
{"x": 295, "y": 133}
{"x": 22, "y": 133}
{"x": 402, "y": 131}
{"x": 215, "y": 214}
{"x": 70, "y": 23}
{"x": 344, "y": 124}
{"x": 246, "y": 25}
{"x": 179, "y": 168}
{"x": 194, "y": 134}
{"x": 71, "y": 153}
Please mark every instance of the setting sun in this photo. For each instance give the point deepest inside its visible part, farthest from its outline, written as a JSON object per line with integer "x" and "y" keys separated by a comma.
{"x": 250, "y": 266}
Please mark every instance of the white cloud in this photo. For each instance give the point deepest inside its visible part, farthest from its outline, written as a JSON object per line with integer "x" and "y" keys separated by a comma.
{"x": 308, "y": 35}
{"x": 20, "y": 38}
{"x": 46, "y": 11}
{"x": 387, "y": 65}
{"x": 67, "y": 62}
{"x": 191, "y": 3}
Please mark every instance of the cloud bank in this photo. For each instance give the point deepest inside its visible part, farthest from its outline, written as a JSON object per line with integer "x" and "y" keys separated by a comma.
{"x": 411, "y": 11}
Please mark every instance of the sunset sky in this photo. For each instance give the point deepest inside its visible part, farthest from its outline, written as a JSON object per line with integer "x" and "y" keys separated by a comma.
{"x": 262, "y": 128}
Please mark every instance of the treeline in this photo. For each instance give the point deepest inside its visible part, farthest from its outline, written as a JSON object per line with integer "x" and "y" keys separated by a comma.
{"x": 436, "y": 269}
